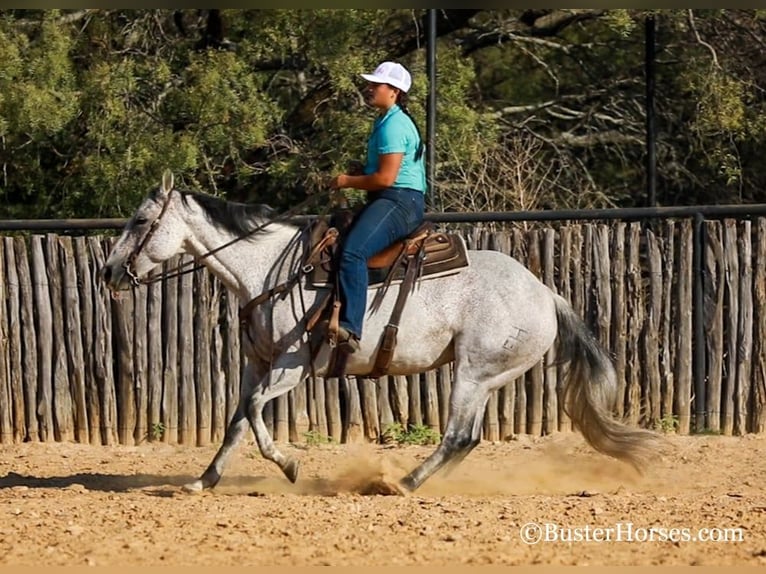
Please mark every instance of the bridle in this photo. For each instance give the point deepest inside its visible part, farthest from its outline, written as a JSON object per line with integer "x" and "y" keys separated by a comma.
{"x": 129, "y": 263}
{"x": 193, "y": 265}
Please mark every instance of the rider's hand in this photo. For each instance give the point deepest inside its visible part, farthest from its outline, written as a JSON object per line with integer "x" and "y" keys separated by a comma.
{"x": 336, "y": 182}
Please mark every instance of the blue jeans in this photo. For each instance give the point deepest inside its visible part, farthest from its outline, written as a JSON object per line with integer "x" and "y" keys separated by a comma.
{"x": 392, "y": 214}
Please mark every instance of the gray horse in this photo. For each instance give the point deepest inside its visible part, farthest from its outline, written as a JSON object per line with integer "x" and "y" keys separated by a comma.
{"x": 494, "y": 319}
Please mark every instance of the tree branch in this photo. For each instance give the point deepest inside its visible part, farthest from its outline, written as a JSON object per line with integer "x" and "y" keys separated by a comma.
{"x": 553, "y": 22}
{"x": 69, "y": 18}
{"x": 608, "y": 137}
{"x": 693, "y": 26}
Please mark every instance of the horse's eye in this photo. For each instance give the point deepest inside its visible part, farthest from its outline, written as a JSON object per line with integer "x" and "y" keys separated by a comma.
{"x": 141, "y": 220}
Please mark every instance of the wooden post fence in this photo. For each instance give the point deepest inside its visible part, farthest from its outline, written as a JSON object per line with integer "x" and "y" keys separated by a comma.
{"x": 163, "y": 362}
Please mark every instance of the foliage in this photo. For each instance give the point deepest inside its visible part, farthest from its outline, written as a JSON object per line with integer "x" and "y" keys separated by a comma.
{"x": 667, "y": 424}
{"x": 315, "y": 438}
{"x": 536, "y": 108}
{"x": 158, "y": 431}
{"x": 396, "y": 433}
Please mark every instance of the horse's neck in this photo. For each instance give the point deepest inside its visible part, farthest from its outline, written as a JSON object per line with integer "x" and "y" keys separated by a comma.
{"x": 245, "y": 266}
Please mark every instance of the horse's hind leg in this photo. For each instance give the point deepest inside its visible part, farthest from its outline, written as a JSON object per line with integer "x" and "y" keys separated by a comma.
{"x": 476, "y": 431}
{"x": 234, "y": 432}
{"x": 461, "y": 435}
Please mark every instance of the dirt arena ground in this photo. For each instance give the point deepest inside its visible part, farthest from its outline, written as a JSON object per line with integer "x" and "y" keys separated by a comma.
{"x": 71, "y": 504}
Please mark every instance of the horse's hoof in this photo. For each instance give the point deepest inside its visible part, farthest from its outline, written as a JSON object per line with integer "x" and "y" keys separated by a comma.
{"x": 387, "y": 488}
{"x": 291, "y": 470}
{"x": 195, "y": 486}
{"x": 406, "y": 485}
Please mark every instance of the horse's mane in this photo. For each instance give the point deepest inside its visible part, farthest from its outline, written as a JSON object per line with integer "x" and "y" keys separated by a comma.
{"x": 238, "y": 218}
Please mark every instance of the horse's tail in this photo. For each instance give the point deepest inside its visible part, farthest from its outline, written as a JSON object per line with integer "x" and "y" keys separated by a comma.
{"x": 590, "y": 392}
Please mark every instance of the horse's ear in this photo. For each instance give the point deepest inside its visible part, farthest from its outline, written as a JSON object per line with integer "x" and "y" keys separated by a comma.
{"x": 167, "y": 182}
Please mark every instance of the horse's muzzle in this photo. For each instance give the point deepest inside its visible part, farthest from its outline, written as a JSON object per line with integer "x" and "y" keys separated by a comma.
{"x": 114, "y": 277}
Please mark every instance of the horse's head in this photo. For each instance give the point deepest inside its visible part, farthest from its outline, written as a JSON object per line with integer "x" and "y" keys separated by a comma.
{"x": 150, "y": 237}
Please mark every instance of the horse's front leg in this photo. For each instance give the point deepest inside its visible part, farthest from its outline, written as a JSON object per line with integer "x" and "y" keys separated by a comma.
{"x": 234, "y": 432}
{"x": 289, "y": 370}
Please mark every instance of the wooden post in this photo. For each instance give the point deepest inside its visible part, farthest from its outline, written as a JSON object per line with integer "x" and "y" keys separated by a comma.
{"x": 651, "y": 379}
{"x": 201, "y": 349}
{"x": 140, "y": 364}
{"x": 44, "y": 331}
{"x": 565, "y": 289}
{"x": 670, "y": 321}
{"x": 731, "y": 266}
{"x": 758, "y": 410}
{"x": 6, "y": 424}
{"x": 122, "y": 322}
{"x": 385, "y": 413}
{"x": 683, "y": 376}
{"x": 579, "y": 246}
{"x": 217, "y": 369}
{"x": 431, "y": 401}
{"x": 154, "y": 348}
{"x": 332, "y": 406}
{"x": 13, "y": 293}
{"x": 744, "y": 329}
{"x": 505, "y": 410}
{"x": 535, "y": 377}
{"x": 620, "y": 313}
{"x": 320, "y": 404}
{"x": 354, "y": 432}
{"x": 86, "y": 277}
{"x": 550, "y": 395}
{"x": 714, "y": 288}
{"x": 170, "y": 378}
{"x": 281, "y": 428}
{"x": 73, "y": 339}
{"x": 399, "y": 399}
{"x": 491, "y": 427}
{"x": 636, "y": 306}
{"x": 369, "y": 402}
{"x": 519, "y": 252}
{"x": 62, "y": 398}
{"x": 299, "y": 409}
{"x": 187, "y": 402}
{"x": 602, "y": 268}
{"x": 103, "y": 367}
{"x": 585, "y": 288}
{"x": 414, "y": 410}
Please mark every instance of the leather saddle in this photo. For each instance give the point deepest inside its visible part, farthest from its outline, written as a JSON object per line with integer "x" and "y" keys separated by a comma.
{"x": 441, "y": 254}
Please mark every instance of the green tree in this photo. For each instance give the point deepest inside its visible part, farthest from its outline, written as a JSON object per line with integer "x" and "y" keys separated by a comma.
{"x": 536, "y": 108}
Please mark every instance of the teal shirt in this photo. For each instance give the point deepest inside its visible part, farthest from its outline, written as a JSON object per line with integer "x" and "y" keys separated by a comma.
{"x": 395, "y": 132}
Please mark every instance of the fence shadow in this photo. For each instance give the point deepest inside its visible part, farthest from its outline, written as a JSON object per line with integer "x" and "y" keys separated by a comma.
{"x": 95, "y": 481}
{"x": 166, "y": 486}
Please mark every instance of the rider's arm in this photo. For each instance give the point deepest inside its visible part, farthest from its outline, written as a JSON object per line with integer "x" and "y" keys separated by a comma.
{"x": 385, "y": 176}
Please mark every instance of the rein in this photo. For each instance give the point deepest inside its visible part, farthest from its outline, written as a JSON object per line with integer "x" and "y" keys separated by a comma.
{"x": 182, "y": 268}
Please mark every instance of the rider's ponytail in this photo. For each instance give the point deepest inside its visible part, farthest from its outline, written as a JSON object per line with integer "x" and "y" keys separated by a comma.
{"x": 402, "y": 101}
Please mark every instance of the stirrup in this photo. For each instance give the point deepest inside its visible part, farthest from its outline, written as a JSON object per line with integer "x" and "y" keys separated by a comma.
{"x": 347, "y": 341}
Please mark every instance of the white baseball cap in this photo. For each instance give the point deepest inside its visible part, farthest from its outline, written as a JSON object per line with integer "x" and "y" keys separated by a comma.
{"x": 391, "y": 73}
